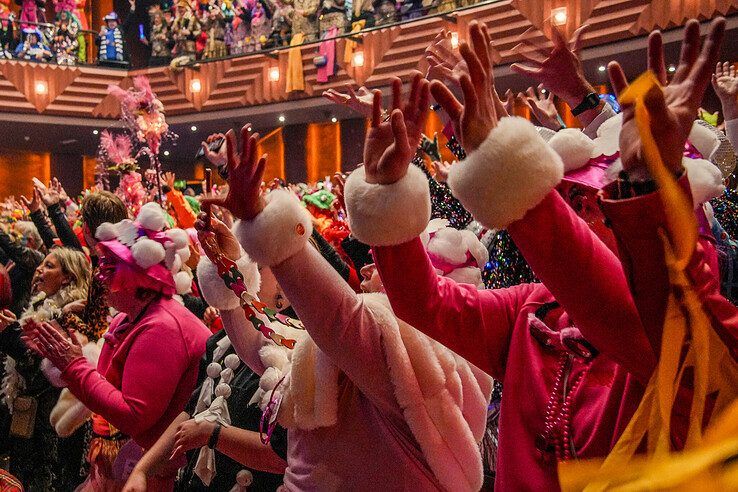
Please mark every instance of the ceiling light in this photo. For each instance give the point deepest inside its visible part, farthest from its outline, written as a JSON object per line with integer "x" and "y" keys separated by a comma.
{"x": 281, "y": 118}
{"x": 95, "y": 132}
{"x": 166, "y": 153}
{"x": 334, "y": 120}
{"x": 193, "y": 128}
{"x": 672, "y": 69}
{"x": 26, "y": 138}
{"x": 602, "y": 68}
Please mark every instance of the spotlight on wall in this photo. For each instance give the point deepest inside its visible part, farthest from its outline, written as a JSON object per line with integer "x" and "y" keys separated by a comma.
{"x": 195, "y": 86}
{"x": 358, "y": 59}
{"x": 274, "y": 74}
{"x": 41, "y": 87}
{"x": 559, "y": 16}
{"x": 454, "y": 40}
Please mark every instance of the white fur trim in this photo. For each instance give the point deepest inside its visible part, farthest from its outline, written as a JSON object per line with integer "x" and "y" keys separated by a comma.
{"x": 278, "y": 232}
{"x": 573, "y": 146}
{"x": 705, "y": 180}
{"x": 509, "y": 174}
{"x": 183, "y": 282}
{"x": 386, "y": 215}
{"x": 214, "y": 289}
{"x": 704, "y": 140}
{"x": 151, "y": 216}
{"x": 68, "y": 414}
{"x": 274, "y": 356}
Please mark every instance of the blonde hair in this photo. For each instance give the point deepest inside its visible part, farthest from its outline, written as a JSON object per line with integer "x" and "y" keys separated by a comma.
{"x": 76, "y": 267}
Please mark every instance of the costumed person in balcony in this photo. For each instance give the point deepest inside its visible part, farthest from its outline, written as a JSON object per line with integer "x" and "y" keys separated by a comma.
{"x": 32, "y": 47}
{"x": 214, "y": 24}
{"x": 39, "y": 457}
{"x": 148, "y": 364}
{"x": 185, "y": 31}
{"x": 366, "y": 398}
{"x": 159, "y": 36}
{"x": 261, "y": 22}
{"x": 111, "y": 40}
{"x": 31, "y": 11}
{"x": 333, "y": 14}
{"x": 7, "y": 32}
{"x": 305, "y": 20}
{"x": 526, "y": 334}
{"x": 64, "y": 45}
{"x": 385, "y": 12}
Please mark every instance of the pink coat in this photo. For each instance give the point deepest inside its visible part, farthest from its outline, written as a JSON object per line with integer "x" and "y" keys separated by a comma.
{"x": 146, "y": 373}
{"x": 491, "y": 328}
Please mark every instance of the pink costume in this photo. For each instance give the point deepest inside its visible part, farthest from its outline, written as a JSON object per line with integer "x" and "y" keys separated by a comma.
{"x": 509, "y": 182}
{"x": 387, "y": 411}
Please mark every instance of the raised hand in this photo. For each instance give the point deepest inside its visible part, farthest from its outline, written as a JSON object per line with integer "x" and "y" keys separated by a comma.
{"x": 473, "y": 120}
{"x": 169, "y": 179}
{"x": 542, "y": 106}
{"x": 224, "y": 239}
{"x": 219, "y": 158}
{"x": 360, "y": 101}
{"x": 6, "y": 319}
{"x": 559, "y": 69}
{"x": 390, "y": 145}
{"x": 34, "y": 204}
{"x": 442, "y": 169}
{"x": 49, "y": 195}
{"x": 51, "y": 344}
{"x": 672, "y": 111}
{"x": 245, "y": 173}
{"x": 725, "y": 83}
{"x": 57, "y": 186}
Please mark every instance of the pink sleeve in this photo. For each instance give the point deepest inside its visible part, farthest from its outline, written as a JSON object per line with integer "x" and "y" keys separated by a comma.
{"x": 152, "y": 373}
{"x": 587, "y": 279}
{"x": 476, "y": 324}
{"x": 339, "y": 323}
{"x": 636, "y": 223}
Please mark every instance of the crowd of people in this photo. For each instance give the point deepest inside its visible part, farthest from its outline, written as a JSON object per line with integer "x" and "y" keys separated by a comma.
{"x": 187, "y": 30}
{"x": 444, "y": 326}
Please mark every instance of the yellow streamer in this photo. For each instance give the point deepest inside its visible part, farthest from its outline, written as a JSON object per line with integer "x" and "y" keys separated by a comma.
{"x": 700, "y": 465}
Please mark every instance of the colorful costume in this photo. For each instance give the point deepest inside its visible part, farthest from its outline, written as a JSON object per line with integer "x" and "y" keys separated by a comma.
{"x": 304, "y": 19}
{"x": 32, "y": 48}
{"x": 215, "y": 26}
{"x": 185, "y": 31}
{"x": 110, "y": 41}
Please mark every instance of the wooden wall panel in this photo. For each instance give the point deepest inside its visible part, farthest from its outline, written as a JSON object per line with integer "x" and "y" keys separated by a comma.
{"x": 17, "y": 169}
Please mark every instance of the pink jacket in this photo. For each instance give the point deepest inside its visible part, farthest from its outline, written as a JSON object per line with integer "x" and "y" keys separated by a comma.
{"x": 146, "y": 373}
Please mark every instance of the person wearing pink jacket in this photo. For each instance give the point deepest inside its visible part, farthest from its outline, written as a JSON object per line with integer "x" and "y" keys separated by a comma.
{"x": 575, "y": 352}
{"x": 149, "y": 362}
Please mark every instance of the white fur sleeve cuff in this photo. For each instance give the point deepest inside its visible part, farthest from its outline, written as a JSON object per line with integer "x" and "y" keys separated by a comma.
{"x": 386, "y": 215}
{"x": 509, "y": 174}
{"x": 214, "y": 290}
{"x": 278, "y": 232}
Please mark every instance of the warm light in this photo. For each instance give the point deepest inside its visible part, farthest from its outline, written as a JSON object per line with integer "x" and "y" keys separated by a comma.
{"x": 195, "y": 85}
{"x": 41, "y": 88}
{"x": 672, "y": 69}
{"x": 166, "y": 153}
{"x": 334, "y": 120}
{"x": 358, "y": 59}
{"x": 281, "y": 118}
{"x": 454, "y": 40}
{"x": 193, "y": 128}
{"x": 559, "y": 16}
{"x": 602, "y": 68}
{"x": 274, "y": 74}
{"x": 26, "y": 138}
{"x": 95, "y": 132}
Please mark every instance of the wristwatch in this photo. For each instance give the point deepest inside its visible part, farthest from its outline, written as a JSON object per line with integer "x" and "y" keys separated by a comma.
{"x": 590, "y": 101}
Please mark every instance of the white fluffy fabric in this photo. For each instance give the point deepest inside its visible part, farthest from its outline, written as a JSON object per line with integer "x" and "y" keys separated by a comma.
{"x": 178, "y": 237}
{"x": 386, "y": 215}
{"x": 573, "y": 146}
{"x": 608, "y": 137}
{"x": 147, "y": 252}
{"x": 183, "y": 283}
{"x": 467, "y": 275}
{"x": 214, "y": 289}
{"x": 510, "y": 173}
{"x": 151, "y": 216}
{"x": 705, "y": 180}
{"x": 704, "y": 140}
{"x": 106, "y": 232}
{"x": 278, "y": 232}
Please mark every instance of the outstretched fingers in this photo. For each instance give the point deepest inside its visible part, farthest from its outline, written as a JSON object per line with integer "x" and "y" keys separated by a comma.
{"x": 617, "y": 78}
{"x": 447, "y": 100}
{"x": 702, "y": 69}
{"x": 656, "y": 56}
{"x": 690, "y": 50}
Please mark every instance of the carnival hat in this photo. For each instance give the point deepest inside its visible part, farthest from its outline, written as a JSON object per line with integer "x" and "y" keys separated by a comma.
{"x": 112, "y": 16}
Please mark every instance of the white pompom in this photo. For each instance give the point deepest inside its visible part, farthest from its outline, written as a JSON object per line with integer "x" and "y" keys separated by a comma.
{"x": 184, "y": 254}
{"x": 274, "y": 356}
{"x": 214, "y": 370}
{"x": 705, "y": 180}
{"x": 223, "y": 390}
{"x": 147, "y": 252}
{"x": 178, "y": 237}
{"x": 176, "y": 264}
{"x": 106, "y": 232}
{"x": 232, "y": 361}
{"x": 573, "y": 146}
{"x": 183, "y": 283}
{"x": 151, "y": 216}
{"x": 244, "y": 478}
{"x": 448, "y": 244}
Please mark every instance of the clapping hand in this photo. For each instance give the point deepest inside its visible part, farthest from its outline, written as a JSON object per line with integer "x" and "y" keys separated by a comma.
{"x": 541, "y": 104}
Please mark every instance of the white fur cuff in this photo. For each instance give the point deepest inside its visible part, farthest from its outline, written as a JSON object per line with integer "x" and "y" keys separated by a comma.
{"x": 278, "y": 232}
{"x": 386, "y": 215}
{"x": 213, "y": 288}
{"x": 509, "y": 174}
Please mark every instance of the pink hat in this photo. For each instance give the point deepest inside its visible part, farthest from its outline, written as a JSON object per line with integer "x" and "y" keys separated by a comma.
{"x": 146, "y": 255}
{"x": 456, "y": 254}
